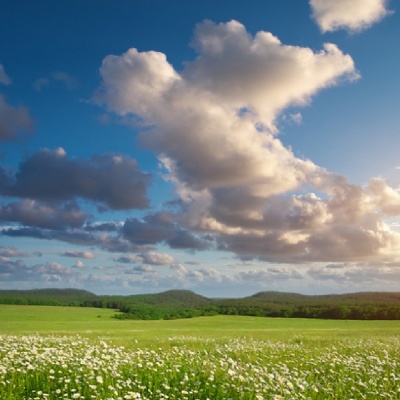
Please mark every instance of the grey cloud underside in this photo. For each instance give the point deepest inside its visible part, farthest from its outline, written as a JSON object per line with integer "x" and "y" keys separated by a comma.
{"x": 161, "y": 228}
{"x": 78, "y": 254}
{"x": 37, "y": 214}
{"x": 135, "y": 235}
{"x": 112, "y": 243}
{"x": 50, "y": 186}
{"x": 14, "y": 121}
{"x": 50, "y": 176}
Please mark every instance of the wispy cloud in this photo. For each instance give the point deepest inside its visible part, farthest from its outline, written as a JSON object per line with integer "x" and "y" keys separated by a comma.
{"x": 4, "y": 78}
{"x": 66, "y": 79}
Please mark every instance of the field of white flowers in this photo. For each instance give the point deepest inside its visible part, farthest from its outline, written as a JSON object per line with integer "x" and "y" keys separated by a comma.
{"x": 36, "y": 367}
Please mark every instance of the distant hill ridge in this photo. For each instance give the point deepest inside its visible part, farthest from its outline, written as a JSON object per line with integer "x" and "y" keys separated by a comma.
{"x": 185, "y": 296}
{"x": 186, "y": 303}
{"x": 182, "y": 297}
{"x": 50, "y": 292}
{"x": 174, "y": 297}
{"x": 343, "y": 297}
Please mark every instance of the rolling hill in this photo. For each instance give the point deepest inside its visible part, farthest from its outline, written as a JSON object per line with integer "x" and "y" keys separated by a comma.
{"x": 173, "y": 304}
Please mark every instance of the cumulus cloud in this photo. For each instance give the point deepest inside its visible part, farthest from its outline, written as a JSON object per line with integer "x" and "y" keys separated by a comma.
{"x": 386, "y": 197}
{"x": 34, "y": 213}
{"x": 51, "y": 176}
{"x": 161, "y": 228}
{"x": 4, "y": 78}
{"x": 149, "y": 257}
{"x": 155, "y": 258}
{"x": 79, "y": 264}
{"x": 347, "y": 224}
{"x": 183, "y": 273}
{"x": 353, "y": 15}
{"x": 213, "y": 128}
{"x": 88, "y": 255}
{"x": 44, "y": 274}
{"x": 11, "y": 270}
{"x": 371, "y": 273}
{"x": 13, "y": 121}
{"x": 11, "y": 251}
{"x": 213, "y": 124}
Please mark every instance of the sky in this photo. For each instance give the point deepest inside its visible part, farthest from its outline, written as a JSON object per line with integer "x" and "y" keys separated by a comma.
{"x": 224, "y": 147}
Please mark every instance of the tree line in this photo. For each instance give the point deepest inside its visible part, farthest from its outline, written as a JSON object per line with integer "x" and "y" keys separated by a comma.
{"x": 175, "y": 304}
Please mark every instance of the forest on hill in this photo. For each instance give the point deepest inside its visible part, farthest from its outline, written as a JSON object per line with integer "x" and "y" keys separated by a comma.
{"x": 173, "y": 304}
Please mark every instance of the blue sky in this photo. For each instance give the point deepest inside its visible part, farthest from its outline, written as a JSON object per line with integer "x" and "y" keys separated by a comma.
{"x": 225, "y": 147}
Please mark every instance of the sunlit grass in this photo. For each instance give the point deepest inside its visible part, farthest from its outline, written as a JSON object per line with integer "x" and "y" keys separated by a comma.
{"x": 98, "y": 324}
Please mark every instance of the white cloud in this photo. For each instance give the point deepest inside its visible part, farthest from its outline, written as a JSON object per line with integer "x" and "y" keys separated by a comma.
{"x": 213, "y": 127}
{"x": 79, "y": 264}
{"x": 201, "y": 132}
{"x": 4, "y": 78}
{"x": 180, "y": 269}
{"x": 387, "y": 198}
{"x": 155, "y": 258}
{"x": 353, "y": 15}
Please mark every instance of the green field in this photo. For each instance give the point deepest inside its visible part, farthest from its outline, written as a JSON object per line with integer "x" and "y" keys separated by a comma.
{"x": 98, "y": 323}
{"x": 84, "y": 353}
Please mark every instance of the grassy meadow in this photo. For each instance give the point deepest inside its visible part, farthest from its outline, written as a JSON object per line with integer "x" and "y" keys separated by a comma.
{"x": 99, "y": 324}
{"x": 69, "y": 352}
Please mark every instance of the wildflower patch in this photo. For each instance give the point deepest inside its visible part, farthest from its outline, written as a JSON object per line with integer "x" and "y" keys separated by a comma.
{"x": 36, "y": 367}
